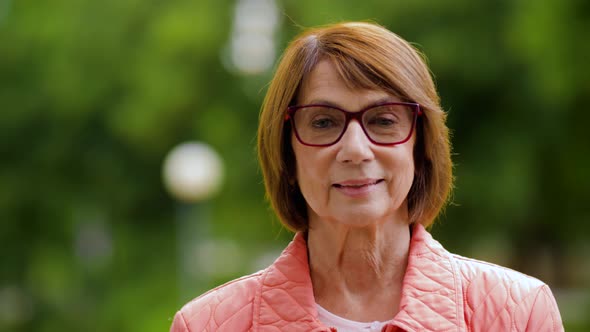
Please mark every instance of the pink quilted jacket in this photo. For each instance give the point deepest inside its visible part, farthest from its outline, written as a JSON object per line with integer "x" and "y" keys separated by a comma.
{"x": 441, "y": 292}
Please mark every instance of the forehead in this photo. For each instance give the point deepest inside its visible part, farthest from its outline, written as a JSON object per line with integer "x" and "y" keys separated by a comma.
{"x": 325, "y": 83}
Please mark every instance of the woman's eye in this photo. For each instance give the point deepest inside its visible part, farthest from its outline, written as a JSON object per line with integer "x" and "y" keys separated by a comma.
{"x": 382, "y": 121}
{"x": 322, "y": 123}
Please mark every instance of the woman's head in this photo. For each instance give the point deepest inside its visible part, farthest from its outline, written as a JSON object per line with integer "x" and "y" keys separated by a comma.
{"x": 365, "y": 57}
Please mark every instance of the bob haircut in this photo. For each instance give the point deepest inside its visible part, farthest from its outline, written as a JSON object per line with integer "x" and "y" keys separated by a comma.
{"x": 367, "y": 56}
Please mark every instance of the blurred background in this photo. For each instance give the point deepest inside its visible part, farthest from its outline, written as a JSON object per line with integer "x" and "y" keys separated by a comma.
{"x": 128, "y": 177}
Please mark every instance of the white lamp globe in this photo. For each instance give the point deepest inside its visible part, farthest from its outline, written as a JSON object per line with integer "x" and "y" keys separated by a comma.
{"x": 192, "y": 172}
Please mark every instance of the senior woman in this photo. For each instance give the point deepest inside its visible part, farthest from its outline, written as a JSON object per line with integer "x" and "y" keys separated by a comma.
{"x": 356, "y": 160}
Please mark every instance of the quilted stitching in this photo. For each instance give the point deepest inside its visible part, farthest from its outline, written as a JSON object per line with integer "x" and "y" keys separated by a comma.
{"x": 287, "y": 298}
{"x": 225, "y": 308}
{"x": 500, "y": 299}
{"x": 430, "y": 291}
{"x": 441, "y": 292}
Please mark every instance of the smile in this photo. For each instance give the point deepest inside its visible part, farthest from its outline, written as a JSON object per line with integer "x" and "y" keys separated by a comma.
{"x": 357, "y": 183}
{"x": 356, "y": 188}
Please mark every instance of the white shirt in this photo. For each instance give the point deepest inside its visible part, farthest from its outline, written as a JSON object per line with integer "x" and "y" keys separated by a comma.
{"x": 346, "y": 325}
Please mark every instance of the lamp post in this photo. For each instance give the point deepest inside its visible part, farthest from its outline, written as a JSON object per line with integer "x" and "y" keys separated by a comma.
{"x": 252, "y": 42}
{"x": 192, "y": 174}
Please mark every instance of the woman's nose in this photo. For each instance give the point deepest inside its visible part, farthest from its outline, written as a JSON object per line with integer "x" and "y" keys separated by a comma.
{"x": 355, "y": 146}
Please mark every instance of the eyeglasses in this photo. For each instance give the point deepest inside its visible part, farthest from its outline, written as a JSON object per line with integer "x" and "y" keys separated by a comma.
{"x": 324, "y": 125}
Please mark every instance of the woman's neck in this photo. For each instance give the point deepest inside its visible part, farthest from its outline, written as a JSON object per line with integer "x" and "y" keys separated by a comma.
{"x": 357, "y": 272}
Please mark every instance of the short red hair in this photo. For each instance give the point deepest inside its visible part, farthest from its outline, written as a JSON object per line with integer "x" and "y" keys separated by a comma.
{"x": 367, "y": 56}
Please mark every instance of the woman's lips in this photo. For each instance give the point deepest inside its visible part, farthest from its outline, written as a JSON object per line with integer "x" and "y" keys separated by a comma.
{"x": 357, "y": 187}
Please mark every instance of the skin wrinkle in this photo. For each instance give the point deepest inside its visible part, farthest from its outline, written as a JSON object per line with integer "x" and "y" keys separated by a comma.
{"x": 350, "y": 203}
{"x": 358, "y": 245}
{"x": 367, "y": 57}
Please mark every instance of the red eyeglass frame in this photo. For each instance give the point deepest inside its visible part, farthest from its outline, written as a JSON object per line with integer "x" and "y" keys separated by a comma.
{"x": 416, "y": 109}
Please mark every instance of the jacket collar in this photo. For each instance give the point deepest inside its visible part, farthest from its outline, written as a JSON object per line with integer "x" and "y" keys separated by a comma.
{"x": 431, "y": 293}
{"x": 432, "y": 297}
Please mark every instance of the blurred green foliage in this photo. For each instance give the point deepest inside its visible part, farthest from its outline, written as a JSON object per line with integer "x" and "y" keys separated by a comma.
{"x": 93, "y": 94}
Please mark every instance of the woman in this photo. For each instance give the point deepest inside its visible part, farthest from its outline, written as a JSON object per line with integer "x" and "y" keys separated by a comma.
{"x": 356, "y": 159}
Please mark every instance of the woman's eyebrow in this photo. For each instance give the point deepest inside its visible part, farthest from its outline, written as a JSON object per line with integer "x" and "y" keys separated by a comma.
{"x": 382, "y": 100}
{"x": 323, "y": 102}
{"x": 386, "y": 99}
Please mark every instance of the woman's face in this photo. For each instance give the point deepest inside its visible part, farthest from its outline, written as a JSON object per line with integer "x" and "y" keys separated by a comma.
{"x": 354, "y": 181}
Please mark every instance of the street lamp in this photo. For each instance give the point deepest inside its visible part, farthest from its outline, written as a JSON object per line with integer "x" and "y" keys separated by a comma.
{"x": 192, "y": 174}
{"x": 252, "y": 42}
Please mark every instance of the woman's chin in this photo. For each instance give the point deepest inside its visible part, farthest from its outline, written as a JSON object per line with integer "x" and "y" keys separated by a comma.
{"x": 360, "y": 218}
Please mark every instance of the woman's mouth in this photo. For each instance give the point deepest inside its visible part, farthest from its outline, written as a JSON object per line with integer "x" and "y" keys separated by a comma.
{"x": 357, "y": 187}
